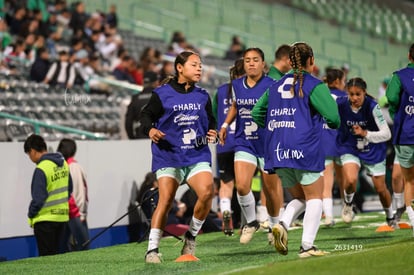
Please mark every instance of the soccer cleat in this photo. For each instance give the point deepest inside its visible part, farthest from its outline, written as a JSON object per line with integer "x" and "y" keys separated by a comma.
{"x": 313, "y": 251}
{"x": 270, "y": 237}
{"x": 392, "y": 222}
{"x": 329, "y": 222}
{"x": 400, "y": 211}
{"x": 247, "y": 232}
{"x": 153, "y": 257}
{"x": 189, "y": 245}
{"x": 280, "y": 238}
{"x": 227, "y": 223}
{"x": 347, "y": 213}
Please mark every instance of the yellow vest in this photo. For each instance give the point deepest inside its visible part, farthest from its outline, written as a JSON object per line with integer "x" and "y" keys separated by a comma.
{"x": 56, "y": 207}
{"x": 257, "y": 183}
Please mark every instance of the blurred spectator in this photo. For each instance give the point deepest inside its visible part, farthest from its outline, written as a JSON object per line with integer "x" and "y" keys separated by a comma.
{"x": 137, "y": 72}
{"x": 61, "y": 73}
{"x": 5, "y": 37}
{"x": 117, "y": 60}
{"x": 78, "y": 18}
{"x": 34, "y": 6}
{"x": 40, "y": 66}
{"x": 178, "y": 42}
{"x": 16, "y": 50}
{"x": 57, "y": 7}
{"x": 77, "y": 45}
{"x": 133, "y": 114}
{"x": 167, "y": 69}
{"x": 16, "y": 21}
{"x": 122, "y": 73}
{"x": 236, "y": 49}
{"x": 85, "y": 74}
{"x": 111, "y": 17}
{"x": 149, "y": 59}
{"x": 42, "y": 25}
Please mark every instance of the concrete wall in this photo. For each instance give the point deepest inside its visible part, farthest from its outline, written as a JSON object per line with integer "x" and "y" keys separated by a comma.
{"x": 111, "y": 167}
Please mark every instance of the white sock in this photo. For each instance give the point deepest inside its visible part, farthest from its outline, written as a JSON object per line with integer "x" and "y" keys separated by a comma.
{"x": 398, "y": 200}
{"x": 311, "y": 220}
{"x": 389, "y": 212}
{"x": 273, "y": 221}
{"x": 261, "y": 213}
{"x": 195, "y": 226}
{"x": 348, "y": 197}
{"x": 154, "y": 238}
{"x": 292, "y": 210}
{"x": 247, "y": 205}
{"x": 281, "y": 210}
{"x": 410, "y": 213}
{"x": 225, "y": 205}
{"x": 327, "y": 207}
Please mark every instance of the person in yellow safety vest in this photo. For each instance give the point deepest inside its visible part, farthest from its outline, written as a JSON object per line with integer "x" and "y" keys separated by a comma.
{"x": 51, "y": 188}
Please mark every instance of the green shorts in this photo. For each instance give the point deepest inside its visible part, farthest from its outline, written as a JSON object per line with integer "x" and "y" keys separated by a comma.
{"x": 247, "y": 157}
{"x": 182, "y": 174}
{"x": 290, "y": 176}
{"x": 329, "y": 160}
{"x": 377, "y": 169}
{"x": 405, "y": 155}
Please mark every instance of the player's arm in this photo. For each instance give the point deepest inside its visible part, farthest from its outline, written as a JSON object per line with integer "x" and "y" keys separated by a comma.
{"x": 324, "y": 104}
{"x": 259, "y": 110}
{"x": 393, "y": 94}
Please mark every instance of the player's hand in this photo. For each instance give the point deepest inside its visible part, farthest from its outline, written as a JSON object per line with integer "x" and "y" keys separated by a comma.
{"x": 155, "y": 135}
{"x": 212, "y": 136}
{"x": 357, "y": 130}
{"x": 222, "y": 135}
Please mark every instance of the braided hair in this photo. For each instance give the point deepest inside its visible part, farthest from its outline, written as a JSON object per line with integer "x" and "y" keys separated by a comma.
{"x": 299, "y": 54}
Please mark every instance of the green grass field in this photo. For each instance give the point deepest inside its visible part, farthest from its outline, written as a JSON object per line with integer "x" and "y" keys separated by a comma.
{"x": 355, "y": 249}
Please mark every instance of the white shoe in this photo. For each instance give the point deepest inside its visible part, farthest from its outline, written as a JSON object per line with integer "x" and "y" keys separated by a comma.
{"x": 329, "y": 221}
{"x": 280, "y": 239}
{"x": 153, "y": 257}
{"x": 188, "y": 247}
{"x": 313, "y": 251}
{"x": 270, "y": 237}
{"x": 247, "y": 232}
{"x": 347, "y": 213}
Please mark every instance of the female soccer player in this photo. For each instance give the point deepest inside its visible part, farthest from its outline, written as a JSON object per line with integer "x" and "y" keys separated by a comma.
{"x": 180, "y": 122}
{"x": 361, "y": 141}
{"x": 249, "y": 150}
{"x": 292, "y": 113}
{"x": 400, "y": 95}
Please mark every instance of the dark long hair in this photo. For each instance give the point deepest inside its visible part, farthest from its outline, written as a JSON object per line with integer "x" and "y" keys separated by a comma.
{"x": 181, "y": 58}
{"x": 358, "y": 82}
{"x": 235, "y": 71}
{"x": 333, "y": 74}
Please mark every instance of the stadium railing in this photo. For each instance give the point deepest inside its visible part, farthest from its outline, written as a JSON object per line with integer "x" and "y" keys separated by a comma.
{"x": 37, "y": 124}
